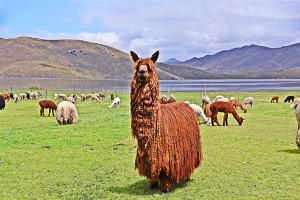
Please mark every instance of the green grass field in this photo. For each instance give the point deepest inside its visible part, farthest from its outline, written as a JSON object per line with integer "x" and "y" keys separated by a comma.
{"x": 94, "y": 159}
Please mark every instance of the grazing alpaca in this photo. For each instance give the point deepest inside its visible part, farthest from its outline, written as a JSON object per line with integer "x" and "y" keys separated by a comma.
{"x": 35, "y": 95}
{"x": 44, "y": 104}
{"x": 289, "y": 98}
{"x": 226, "y": 108}
{"x": 205, "y": 100}
{"x": 297, "y": 112}
{"x": 115, "y": 103}
{"x": 199, "y": 112}
{"x": 168, "y": 136}
{"x": 2, "y": 102}
{"x": 249, "y": 101}
{"x": 66, "y": 113}
{"x": 60, "y": 97}
{"x": 274, "y": 99}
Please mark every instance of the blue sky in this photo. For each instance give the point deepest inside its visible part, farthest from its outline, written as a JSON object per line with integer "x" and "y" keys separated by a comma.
{"x": 181, "y": 29}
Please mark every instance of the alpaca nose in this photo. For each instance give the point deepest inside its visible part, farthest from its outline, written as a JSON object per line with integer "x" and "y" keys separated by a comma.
{"x": 142, "y": 72}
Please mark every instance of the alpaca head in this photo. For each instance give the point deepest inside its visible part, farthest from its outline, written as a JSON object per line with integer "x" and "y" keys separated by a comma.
{"x": 144, "y": 67}
{"x": 241, "y": 121}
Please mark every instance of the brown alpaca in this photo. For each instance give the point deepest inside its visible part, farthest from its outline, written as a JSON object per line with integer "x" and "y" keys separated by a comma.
{"x": 225, "y": 107}
{"x": 237, "y": 103}
{"x": 44, "y": 104}
{"x": 275, "y": 99}
{"x": 168, "y": 136}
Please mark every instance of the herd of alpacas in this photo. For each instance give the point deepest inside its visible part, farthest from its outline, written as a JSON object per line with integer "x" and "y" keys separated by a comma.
{"x": 169, "y": 146}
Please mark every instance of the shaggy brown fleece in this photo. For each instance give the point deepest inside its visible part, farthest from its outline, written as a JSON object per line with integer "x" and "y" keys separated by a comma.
{"x": 168, "y": 136}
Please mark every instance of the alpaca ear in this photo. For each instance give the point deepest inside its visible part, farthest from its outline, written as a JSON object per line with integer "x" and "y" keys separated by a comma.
{"x": 154, "y": 57}
{"x": 134, "y": 56}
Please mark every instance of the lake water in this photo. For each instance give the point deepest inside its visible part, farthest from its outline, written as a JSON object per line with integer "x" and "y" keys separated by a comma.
{"x": 165, "y": 85}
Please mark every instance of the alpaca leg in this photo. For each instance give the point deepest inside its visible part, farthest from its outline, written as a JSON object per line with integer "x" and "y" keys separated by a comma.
{"x": 225, "y": 122}
{"x": 166, "y": 183}
{"x": 298, "y": 138}
{"x": 42, "y": 112}
{"x": 213, "y": 119}
{"x": 49, "y": 112}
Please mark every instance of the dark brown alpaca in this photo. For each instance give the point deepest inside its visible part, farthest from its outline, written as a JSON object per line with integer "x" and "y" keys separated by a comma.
{"x": 275, "y": 99}
{"x": 225, "y": 107}
{"x": 168, "y": 136}
{"x": 44, "y": 104}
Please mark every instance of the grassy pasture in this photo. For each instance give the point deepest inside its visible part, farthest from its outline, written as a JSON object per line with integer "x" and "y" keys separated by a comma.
{"x": 94, "y": 159}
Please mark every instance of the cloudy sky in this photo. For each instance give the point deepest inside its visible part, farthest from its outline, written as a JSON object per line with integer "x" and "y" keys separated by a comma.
{"x": 181, "y": 29}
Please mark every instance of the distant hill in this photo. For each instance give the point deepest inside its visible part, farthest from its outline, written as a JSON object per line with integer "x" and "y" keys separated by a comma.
{"x": 172, "y": 61}
{"x": 31, "y": 57}
{"x": 251, "y": 58}
{"x": 74, "y": 59}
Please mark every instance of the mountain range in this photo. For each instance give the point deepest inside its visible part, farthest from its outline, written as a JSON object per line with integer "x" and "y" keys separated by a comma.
{"x": 28, "y": 57}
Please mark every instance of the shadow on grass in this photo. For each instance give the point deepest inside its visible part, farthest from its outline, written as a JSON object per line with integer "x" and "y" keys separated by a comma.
{"x": 142, "y": 187}
{"x": 292, "y": 151}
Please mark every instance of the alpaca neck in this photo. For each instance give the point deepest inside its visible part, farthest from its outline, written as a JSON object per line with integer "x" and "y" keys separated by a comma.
{"x": 236, "y": 116}
{"x": 145, "y": 110}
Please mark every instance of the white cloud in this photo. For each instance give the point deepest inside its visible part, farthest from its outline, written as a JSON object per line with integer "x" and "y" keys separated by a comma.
{"x": 110, "y": 39}
{"x": 184, "y": 29}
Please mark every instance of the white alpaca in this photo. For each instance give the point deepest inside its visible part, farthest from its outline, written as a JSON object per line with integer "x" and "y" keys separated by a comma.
{"x": 115, "y": 103}
{"x": 218, "y": 97}
{"x": 60, "y": 96}
{"x": 66, "y": 113}
{"x": 249, "y": 100}
{"x": 70, "y": 99}
{"x": 199, "y": 112}
{"x": 206, "y": 100}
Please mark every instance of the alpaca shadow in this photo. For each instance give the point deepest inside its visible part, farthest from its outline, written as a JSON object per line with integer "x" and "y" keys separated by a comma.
{"x": 142, "y": 187}
{"x": 291, "y": 151}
